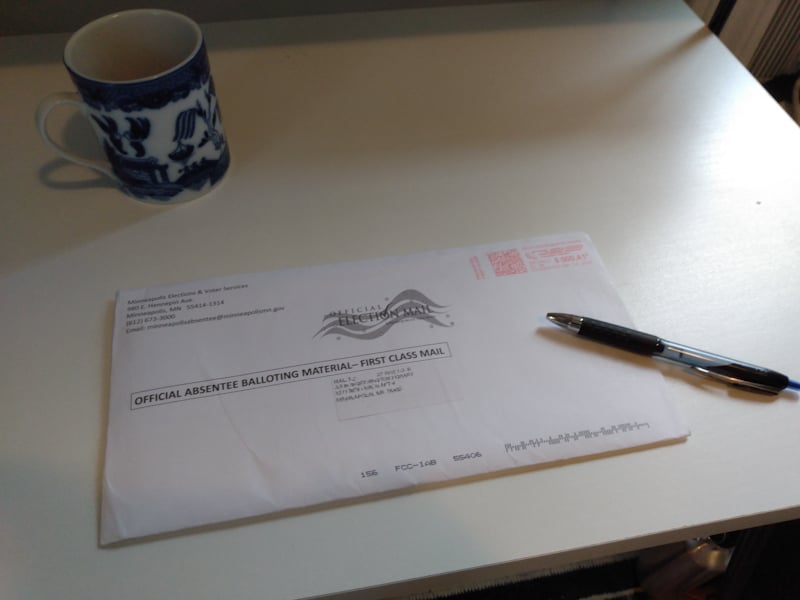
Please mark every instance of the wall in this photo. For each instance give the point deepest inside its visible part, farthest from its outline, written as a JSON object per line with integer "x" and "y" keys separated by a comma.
{"x": 50, "y": 16}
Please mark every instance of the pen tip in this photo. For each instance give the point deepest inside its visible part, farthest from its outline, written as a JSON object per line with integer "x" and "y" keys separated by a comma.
{"x": 564, "y": 320}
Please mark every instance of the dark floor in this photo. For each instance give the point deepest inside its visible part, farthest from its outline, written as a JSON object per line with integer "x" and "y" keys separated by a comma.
{"x": 763, "y": 566}
{"x": 782, "y": 88}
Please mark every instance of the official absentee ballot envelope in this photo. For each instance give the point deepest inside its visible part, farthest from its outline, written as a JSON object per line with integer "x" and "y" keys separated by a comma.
{"x": 251, "y": 394}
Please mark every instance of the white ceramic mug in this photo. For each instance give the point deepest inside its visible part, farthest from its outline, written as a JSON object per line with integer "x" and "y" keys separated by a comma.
{"x": 144, "y": 82}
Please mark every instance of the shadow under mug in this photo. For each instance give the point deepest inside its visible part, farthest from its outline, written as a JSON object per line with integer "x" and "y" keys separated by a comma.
{"x": 144, "y": 83}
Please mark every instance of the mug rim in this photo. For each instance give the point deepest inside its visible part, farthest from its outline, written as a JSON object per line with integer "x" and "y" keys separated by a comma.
{"x": 101, "y": 21}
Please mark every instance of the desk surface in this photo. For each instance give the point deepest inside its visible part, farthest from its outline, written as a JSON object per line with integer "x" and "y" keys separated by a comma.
{"x": 375, "y": 134}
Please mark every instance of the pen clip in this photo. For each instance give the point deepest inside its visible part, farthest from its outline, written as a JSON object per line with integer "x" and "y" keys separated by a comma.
{"x": 737, "y": 382}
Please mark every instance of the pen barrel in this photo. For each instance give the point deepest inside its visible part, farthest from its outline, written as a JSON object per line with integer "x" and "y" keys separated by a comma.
{"x": 620, "y": 337}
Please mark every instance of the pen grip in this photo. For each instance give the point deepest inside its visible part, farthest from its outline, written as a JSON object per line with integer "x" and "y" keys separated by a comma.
{"x": 617, "y": 336}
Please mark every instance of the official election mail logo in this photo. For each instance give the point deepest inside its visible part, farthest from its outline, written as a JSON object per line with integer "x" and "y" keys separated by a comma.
{"x": 372, "y": 321}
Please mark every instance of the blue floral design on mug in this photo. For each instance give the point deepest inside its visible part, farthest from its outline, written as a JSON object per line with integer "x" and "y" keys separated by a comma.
{"x": 150, "y": 98}
{"x": 134, "y": 120}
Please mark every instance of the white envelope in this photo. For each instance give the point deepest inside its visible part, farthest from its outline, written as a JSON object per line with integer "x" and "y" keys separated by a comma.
{"x": 252, "y": 394}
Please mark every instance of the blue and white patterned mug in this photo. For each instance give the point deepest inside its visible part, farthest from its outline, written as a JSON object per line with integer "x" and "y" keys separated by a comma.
{"x": 144, "y": 82}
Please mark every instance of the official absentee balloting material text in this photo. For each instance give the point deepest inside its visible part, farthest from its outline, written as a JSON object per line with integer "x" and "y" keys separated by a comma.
{"x": 251, "y": 394}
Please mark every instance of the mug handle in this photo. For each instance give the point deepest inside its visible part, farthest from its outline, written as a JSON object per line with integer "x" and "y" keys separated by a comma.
{"x": 43, "y": 110}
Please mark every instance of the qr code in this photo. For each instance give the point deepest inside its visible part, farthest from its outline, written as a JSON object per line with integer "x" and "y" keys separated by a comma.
{"x": 507, "y": 262}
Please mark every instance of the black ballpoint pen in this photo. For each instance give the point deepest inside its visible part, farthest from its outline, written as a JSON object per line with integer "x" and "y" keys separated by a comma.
{"x": 726, "y": 370}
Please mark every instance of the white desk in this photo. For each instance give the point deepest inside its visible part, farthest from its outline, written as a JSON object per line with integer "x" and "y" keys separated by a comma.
{"x": 367, "y": 135}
